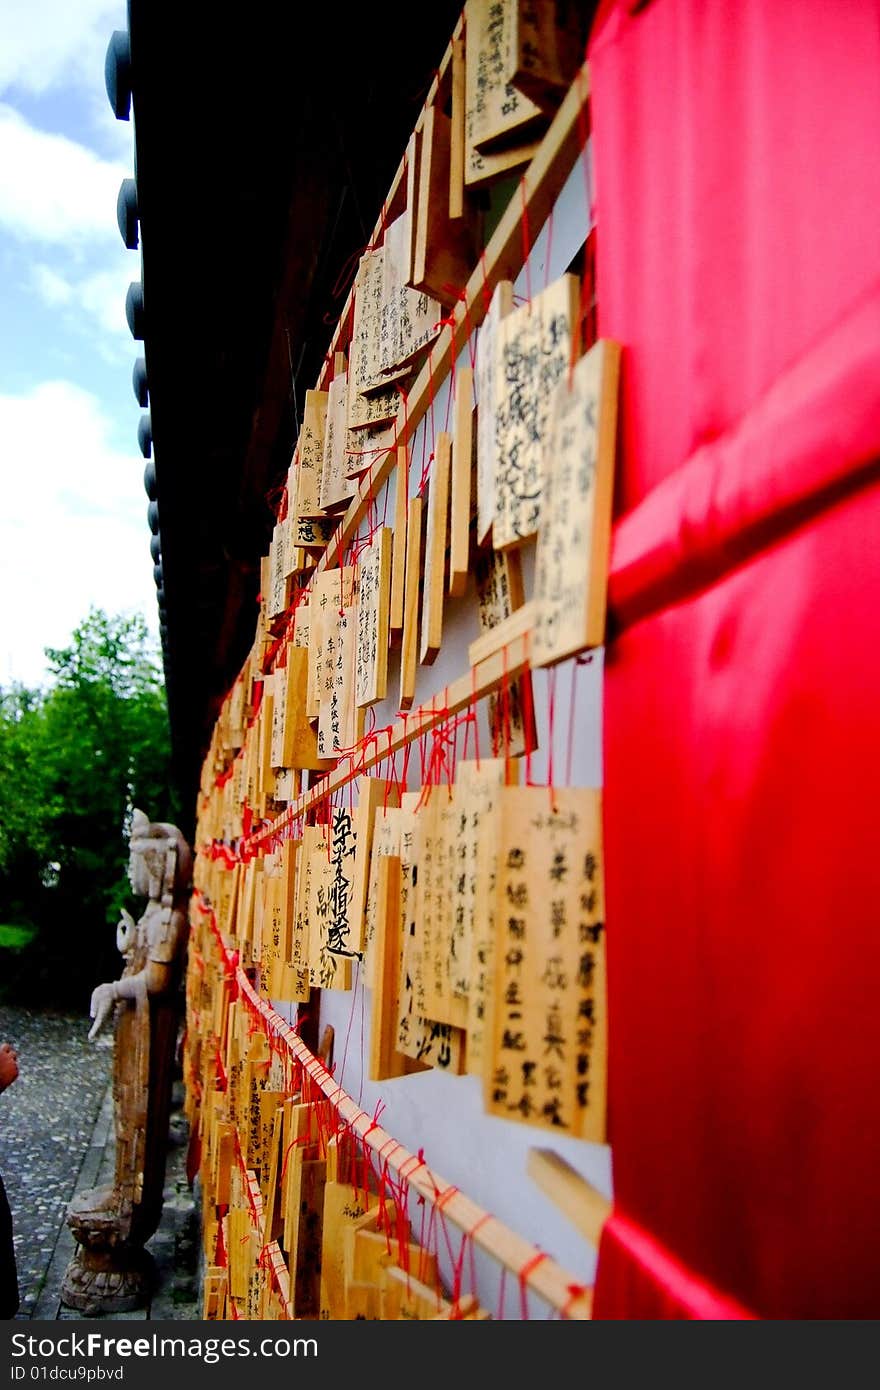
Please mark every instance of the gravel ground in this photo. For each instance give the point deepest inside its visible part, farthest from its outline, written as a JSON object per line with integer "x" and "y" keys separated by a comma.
{"x": 46, "y": 1121}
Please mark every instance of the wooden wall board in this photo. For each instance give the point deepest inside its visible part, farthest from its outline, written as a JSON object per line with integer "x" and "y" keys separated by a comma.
{"x": 571, "y": 569}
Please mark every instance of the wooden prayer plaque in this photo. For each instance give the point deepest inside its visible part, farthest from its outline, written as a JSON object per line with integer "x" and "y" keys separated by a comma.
{"x": 546, "y": 1062}
{"x": 384, "y": 1059}
{"x": 410, "y": 318}
{"x": 344, "y": 1205}
{"x": 373, "y": 794}
{"x": 434, "y": 584}
{"x": 545, "y": 47}
{"x": 425, "y": 1040}
{"x": 500, "y": 122}
{"x": 533, "y": 353}
{"x": 462, "y": 483}
{"x": 306, "y": 504}
{"x": 330, "y": 955}
{"x": 299, "y": 744}
{"x": 374, "y": 583}
{"x": 340, "y": 721}
{"x": 435, "y": 997}
{"x": 411, "y": 601}
{"x": 571, "y": 573}
{"x": 473, "y": 805}
{"x": 398, "y": 559}
{"x": 445, "y": 250}
{"x": 314, "y": 533}
{"x": 500, "y": 306}
{"x": 337, "y": 488}
{"x": 456, "y": 132}
{"x": 372, "y": 401}
{"x": 385, "y": 841}
{"x": 510, "y": 710}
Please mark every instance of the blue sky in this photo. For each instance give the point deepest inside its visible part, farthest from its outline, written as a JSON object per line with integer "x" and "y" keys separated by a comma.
{"x": 73, "y": 527}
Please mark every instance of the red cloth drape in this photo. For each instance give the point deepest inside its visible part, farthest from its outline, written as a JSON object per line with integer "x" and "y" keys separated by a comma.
{"x": 738, "y": 192}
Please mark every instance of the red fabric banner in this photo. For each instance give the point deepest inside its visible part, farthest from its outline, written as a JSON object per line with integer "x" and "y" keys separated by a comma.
{"x": 738, "y": 264}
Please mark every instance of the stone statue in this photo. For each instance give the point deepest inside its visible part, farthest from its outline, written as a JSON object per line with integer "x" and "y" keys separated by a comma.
{"x": 109, "y": 1272}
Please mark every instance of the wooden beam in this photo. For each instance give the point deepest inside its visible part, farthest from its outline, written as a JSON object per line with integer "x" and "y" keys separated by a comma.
{"x": 577, "y": 1199}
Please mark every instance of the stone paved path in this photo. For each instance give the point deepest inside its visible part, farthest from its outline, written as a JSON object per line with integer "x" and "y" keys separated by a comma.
{"x": 56, "y": 1137}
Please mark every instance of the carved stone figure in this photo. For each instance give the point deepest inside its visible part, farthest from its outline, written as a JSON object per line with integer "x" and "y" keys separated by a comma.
{"x": 110, "y": 1270}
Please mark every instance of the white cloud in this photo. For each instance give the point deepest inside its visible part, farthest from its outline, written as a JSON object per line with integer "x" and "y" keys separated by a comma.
{"x": 96, "y": 300}
{"x": 56, "y": 42}
{"x": 73, "y": 527}
{"x": 54, "y": 190}
{"x": 52, "y": 288}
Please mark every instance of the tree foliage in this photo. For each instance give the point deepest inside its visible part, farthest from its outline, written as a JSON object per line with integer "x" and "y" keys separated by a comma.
{"x": 74, "y": 760}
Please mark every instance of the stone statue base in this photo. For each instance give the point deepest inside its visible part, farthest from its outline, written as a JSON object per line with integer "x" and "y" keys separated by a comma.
{"x": 107, "y": 1274}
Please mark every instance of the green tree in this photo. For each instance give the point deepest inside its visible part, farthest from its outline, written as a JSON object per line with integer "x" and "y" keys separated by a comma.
{"x": 74, "y": 761}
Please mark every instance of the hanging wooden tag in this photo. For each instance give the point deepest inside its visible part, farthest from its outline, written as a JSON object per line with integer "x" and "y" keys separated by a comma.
{"x": 456, "y": 132}
{"x": 571, "y": 568}
{"x": 279, "y": 587}
{"x": 500, "y": 305}
{"x": 445, "y": 250}
{"x": 426, "y": 1041}
{"x": 333, "y": 590}
{"x": 306, "y": 1273}
{"x": 546, "y": 1063}
{"x": 301, "y": 940}
{"x": 340, "y": 721}
{"x": 310, "y": 456}
{"x": 533, "y": 353}
{"x": 494, "y": 110}
{"x": 434, "y": 582}
{"x": 374, "y": 793}
{"x": 384, "y": 1059}
{"x": 411, "y": 603}
{"x": 371, "y": 1252}
{"x": 410, "y": 319}
{"x": 473, "y": 803}
{"x": 545, "y": 46}
{"x": 436, "y": 828}
{"x": 462, "y": 489}
{"x": 372, "y": 401}
{"x": 407, "y": 1298}
{"x": 398, "y": 561}
{"x": 314, "y": 533}
{"x": 344, "y": 1205}
{"x": 301, "y": 623}
{"x": 385, "y": 841}
{"x": 510, "y": 710}
{"x": 374, "y": 579}
{"x": 299, "y": 742}
{"x": 327, "y": 969}
{"x": 337, "y": 488}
